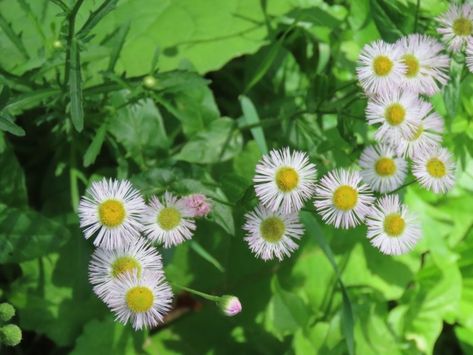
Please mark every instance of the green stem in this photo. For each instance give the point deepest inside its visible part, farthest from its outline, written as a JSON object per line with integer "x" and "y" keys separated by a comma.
{"x": 403, "y": 186}
{"x": 73, "y": 177}
{"x": 198, "y": 293}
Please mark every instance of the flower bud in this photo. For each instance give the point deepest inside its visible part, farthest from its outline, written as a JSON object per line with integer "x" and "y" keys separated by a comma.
{"x": 149, "y": 82}
{"x": 6, "y": 312}
{"x": 10, "y": 335}
{"x": 198, "y": 204}
{"x": 230, "y": 305}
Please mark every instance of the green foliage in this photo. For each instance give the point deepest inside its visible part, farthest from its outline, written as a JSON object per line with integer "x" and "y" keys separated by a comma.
{"x": 231, "y": 80}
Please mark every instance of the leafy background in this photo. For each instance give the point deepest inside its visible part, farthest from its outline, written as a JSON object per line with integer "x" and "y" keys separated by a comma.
{"x": 234, "y": 78}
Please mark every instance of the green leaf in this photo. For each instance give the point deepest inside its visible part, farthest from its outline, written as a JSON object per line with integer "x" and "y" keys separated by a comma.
{"x": 53, "y": 295}
{"x": 387, "y": 18}
{"x": 75, "y": 87}
{"x": 251, "y": 117}
{"x": 108, "y": 337}
{"x": 205, "y": 255}
{"x": 286, "y": 312}
{"x": 465, "y": 337}
{"x": 451, "y": 93}
{"x": 95, "y": 146}
{"x": 22, "y": 102}
{"x": 140, "y": 129}
{"x": 347, "y": 313}
{"x": 7, "y": 124}
{"x": 96, "y": 16}
{"x": 219, "y": 143}
{"x": 13, "y": 192}
{"x": 26, "y": 234}
{"x": 13, "y": 37}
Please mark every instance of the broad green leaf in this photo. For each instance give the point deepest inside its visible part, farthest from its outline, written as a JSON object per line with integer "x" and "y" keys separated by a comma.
{"x": 107, "y": 337}
{"x": 221, "y": 142}
{"x": 140, "y": 129}
{"x": 53, "y": 296}
{"x": 286, "y": 311}
{"x": 245, "y": 162}
{"x": 251, "y": 117}
{"x": 13, "y": 192}
{"x": 26, "y": 234}
{"x": 95, "y": 146}
{"x": 347, "y": 313}
{"x": 7, "y": 124}
{"x": 465, "y": 337}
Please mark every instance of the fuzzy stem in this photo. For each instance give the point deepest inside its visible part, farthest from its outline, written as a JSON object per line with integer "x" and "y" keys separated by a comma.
{"x": 198, "y": 293}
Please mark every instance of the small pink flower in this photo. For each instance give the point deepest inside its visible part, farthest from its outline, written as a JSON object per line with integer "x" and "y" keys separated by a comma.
{"x": 198, "y": 204}
{"x": 230, "y": 305}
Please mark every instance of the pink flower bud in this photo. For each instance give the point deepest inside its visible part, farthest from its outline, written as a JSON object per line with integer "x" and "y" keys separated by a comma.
{"x": 198, "y": 204}
{"x": 230, "y": 305}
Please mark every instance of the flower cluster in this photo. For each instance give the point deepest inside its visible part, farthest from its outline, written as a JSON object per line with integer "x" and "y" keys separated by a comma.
{"x": 126, "y": 271}
{"x": 398, "y": 80}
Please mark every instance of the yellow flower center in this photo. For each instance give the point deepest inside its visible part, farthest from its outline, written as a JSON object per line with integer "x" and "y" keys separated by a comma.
{"x": 418, "y": 133}
{"x": 462, "y": 26}
{"x": 272, "y": 229}
{"x": 111, "y": 213}
{"x": 436, "y": 168}
{"x": 412, "y": 65}
{"x": 394, "y": 224}
{"x": 125, "y": 264}
{"x": 287, "y": 179}
{"x": 139, "y": 299}
{"x": 169, "y": 218}
{"x": 382, "y": 65}
{"x": 345, "y": 198}
{"x": 395, "y": 114}
{"x": 385, "y": 167}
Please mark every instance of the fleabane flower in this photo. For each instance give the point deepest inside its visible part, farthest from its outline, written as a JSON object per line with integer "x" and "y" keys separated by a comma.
{"x": 391, "y": 227}
{"x": 272, "y": 234}
{"x": 427, "y": 134}
{"x": 379, "y": 67}
{"x": 382, "y": 169}
{"x": 284, "y": 180}
{"x": 426, "y": 66}
{"x": 230, "y": 305}
{"x": 342, "y": 199}
{"x": 456, "y": 26}
{"x": 397, "y": 112}
{"x": 435, "y": 169}
{"x": 142, "y": 301}
{"x": 107, "y": 265}
{"x": 111, "y": 210}
{"x": 199, "y": 204}
{"x": 168, "y": 221}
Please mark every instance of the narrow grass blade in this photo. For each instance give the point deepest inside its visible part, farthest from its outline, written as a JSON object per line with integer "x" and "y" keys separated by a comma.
{"x": 251, "y": 117}
{"x": 205, "y": 255}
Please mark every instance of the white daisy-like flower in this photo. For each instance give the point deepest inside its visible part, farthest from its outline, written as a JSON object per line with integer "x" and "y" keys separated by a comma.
{"x": 342, "y": 199}
{"x": 106, "y": 265}
{"x": 456, "y": 26}
{"x": 271, "y": 234}
{"x": 168, "y": 221}
{"x": 382, "y": 169}
{"x": 111, "y": 209}
{"x": 428, "y": 133}
{"x": 391, "y": 227}
{"x": 144, "y": 301}
{"x": 426, "y": 66}
{"x": 380, "y": 67}
{"x": 435, "y": 169}
{"x": 398, "y": 113}
{"x": 284, "y": 180}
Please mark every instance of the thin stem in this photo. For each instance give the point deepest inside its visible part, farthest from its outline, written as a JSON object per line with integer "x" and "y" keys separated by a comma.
{"x": 403, "y": 186}
{"x": 198, "y": 293}
{"x": 417, "y": 15}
